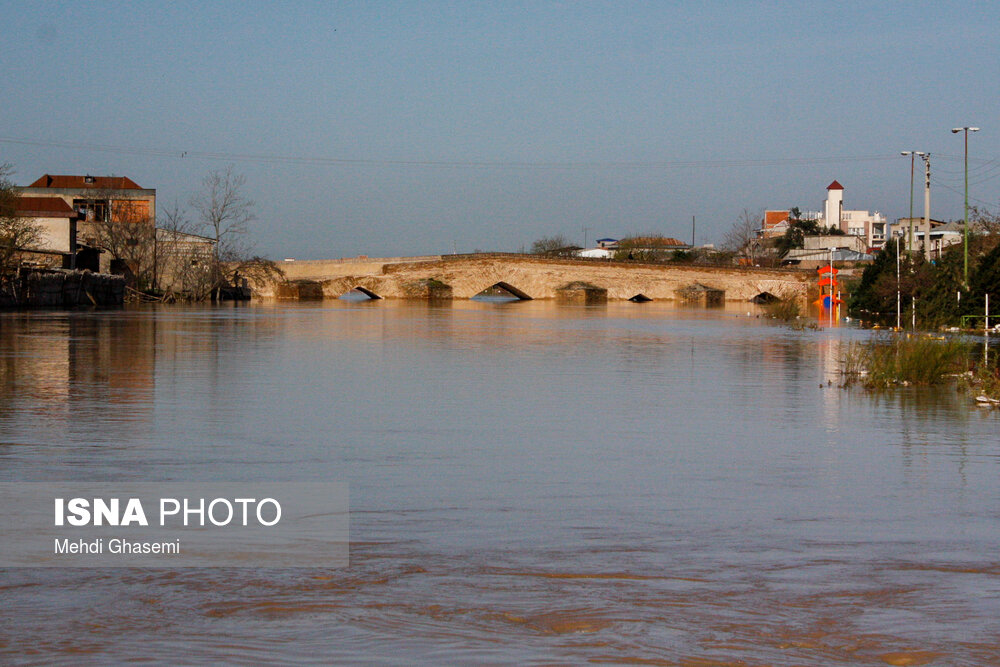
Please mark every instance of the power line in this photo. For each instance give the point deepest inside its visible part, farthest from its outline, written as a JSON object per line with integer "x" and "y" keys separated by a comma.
{"x": 941, "y": 184}
{"x": 267, "y": 158}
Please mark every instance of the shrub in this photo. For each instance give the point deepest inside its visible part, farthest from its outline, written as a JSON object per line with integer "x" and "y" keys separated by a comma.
{"x": 883, "y": 362}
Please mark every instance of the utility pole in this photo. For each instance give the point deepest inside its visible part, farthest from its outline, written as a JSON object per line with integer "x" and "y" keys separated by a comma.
{"x": 927, "y": 205}
{"x": 898, "y": 307}
{"x": 913, "y": 155}
{"x": 966, "y": 234}
{"x": 585, "y": 230}
{"x": 692, "y": 232}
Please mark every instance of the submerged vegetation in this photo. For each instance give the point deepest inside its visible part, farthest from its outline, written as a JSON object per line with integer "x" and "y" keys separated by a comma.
{"x": 891, "y": 361}
{"x": 984, "y": 381}
{"x": 789, "y": 311}
{"x": 879, "y": 363}
{"x": 785, "y": 310}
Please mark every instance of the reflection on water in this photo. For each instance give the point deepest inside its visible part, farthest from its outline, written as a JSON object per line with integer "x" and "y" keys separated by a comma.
{"x": 529, "y": 482}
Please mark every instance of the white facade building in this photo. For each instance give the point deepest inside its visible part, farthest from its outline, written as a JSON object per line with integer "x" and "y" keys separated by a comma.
{"x": 867, "y": 225}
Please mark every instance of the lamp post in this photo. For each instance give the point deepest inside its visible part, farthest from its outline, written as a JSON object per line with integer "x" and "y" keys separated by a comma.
{"x": 913, "y": 155}
{"x": 966, "y": 130}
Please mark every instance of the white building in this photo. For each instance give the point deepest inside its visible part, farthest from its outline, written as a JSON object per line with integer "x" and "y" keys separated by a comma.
{"x": 941, "y": 234}
{"x": 596, "y": 253}
{"x": 867, "y": 225}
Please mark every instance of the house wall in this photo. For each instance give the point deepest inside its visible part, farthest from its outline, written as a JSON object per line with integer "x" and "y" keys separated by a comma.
{"x": 54, "y": 234}
{"x": 183, "y": 263}
{"x": 826, "y": 242}
{"x": 134, "y": 201}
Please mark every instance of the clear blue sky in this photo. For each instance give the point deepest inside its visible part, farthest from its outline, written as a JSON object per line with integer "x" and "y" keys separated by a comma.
{"x": 436, "y": 125}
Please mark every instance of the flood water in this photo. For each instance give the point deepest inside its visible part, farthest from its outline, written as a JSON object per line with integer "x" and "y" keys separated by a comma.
{"x": 530, "y": 483}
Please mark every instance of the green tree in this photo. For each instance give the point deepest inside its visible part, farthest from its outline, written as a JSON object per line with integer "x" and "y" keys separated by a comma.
{"x": 941, "y": 297}
{"x": 985, "y": 280}
{"x": 938, "y": 285}
{"x": 875, "y": 296}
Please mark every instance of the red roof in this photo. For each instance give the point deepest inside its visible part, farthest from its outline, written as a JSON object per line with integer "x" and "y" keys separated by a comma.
{"x": 107, "y": 182}
{"x": 653, "y": 242}
{"x": 835, "y": 186}
{"x": 43, "y": 207}
{"x": 773, "y": 218}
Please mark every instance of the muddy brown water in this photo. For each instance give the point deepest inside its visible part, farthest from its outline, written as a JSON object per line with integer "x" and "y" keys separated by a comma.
{"x": 530, "y": 483}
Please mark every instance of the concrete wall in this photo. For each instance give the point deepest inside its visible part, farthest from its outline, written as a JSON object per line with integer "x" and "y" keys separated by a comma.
{"x": 54, "y": 288}
{"x": 857, "y": 243}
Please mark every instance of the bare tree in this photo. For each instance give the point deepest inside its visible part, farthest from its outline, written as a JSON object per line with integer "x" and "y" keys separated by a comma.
{"x": 16, "y": 233}
{"x": 184, "y": 260}
{"x": 549, "y": 245}
{"x": 126, "y": 229}
{"x": 225, "y": 213}
{"x": 983, "y": 221}
{"x": 649, "y": 247}
{"x": 743, "y": 237}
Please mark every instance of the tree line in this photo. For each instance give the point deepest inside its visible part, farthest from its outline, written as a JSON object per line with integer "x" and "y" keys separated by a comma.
{"x": 933, "y": 293}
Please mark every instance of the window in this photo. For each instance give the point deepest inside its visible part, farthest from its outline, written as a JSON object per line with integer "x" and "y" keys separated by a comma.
{"x": 92, "y": 209}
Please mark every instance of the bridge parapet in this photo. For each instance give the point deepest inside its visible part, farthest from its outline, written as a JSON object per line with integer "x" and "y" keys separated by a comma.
{"x": 464, "y": 276}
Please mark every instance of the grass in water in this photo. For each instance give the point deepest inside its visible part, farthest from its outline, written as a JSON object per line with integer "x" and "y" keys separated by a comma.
{"x": 789, "y": 312}
{"x": 786, "y": 310}
{"x": 880, "y": 363}
{"x": 984, "y": 380}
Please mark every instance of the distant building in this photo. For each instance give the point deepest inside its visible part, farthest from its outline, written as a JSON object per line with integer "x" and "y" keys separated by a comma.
{"x": 56, "y": 223}
{"x": 847, "y": 241}
{"x": 183, "y": 261}
{"x": 596, "y": 253}
{"x": 811, "y": 259}
{"x": 818, "y": 250}
{"x": 775, "y": 223}
{"x": 94, "y": 199}
{"x": 870, "y": 226}
{"x": 941, "y": 234}
{"x": 605, "y": 249}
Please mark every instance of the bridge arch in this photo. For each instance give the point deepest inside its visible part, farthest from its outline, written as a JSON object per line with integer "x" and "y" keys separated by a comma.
{"x": 358, "y": 291}
{"x": 521, "y": 295}
{"x": 765, "y": 298}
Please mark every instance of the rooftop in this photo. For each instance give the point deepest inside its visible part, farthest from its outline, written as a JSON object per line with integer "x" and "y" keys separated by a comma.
{"x": 43, "y": 207}
{"x": 79, "y": 182}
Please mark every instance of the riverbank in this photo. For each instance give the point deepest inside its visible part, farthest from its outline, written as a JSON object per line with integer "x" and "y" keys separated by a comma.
{"x": 54, "y": 288}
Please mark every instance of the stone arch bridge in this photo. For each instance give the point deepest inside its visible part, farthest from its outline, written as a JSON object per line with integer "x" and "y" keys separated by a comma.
{"x": 531, "y": 277}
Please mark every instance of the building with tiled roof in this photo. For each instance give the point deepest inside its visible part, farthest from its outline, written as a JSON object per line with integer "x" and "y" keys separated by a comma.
{"x": 93, "y": 200}
{"x": 55, "y": 221}
{"x": 50, "y": 181}
{"x": 775, "y": 223}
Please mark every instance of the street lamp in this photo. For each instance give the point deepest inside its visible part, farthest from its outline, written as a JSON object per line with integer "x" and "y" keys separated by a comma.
{"x": 913, "y": 155}
{"x": 966, "y": 130}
